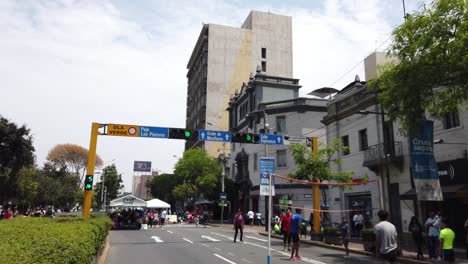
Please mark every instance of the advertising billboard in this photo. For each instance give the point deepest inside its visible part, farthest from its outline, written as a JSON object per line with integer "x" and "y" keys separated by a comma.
{"x": 142, "y": 166}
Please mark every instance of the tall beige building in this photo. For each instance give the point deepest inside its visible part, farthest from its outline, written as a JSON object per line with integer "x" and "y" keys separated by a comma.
{"x": 223, "y": 58}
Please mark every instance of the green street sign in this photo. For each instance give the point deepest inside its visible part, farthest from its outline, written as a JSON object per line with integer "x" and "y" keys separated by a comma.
{"x": 222, "y": 204}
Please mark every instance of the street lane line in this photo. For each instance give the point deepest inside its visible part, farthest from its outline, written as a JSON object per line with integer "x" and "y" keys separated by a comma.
{"x": 221, "y": 235}
{"x": 259, "y": 239}
{"x": 225, "y": 259}
{"x": 217, "y": 248}
{"x": 205, "y": 245}
{"x": 210, "y": 238}
{"x": 187, "y": 240}
{"x": 170, "y": 232}
{"x": 247, "y": 261}
{"x": 157, "y": 239}
{"x": 231, "y": 254}
{"x": 286, "y": 254}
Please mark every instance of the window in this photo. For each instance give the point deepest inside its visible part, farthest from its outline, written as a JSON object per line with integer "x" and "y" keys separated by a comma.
{"x": 263, "y": 66}
{"x": 281, "y": 158}
{"x": 363, "y": 140}
{"x": 263, "y": 53}
{"x": 255, "y": 161}
{"x": 345, "y": 141}
{"x": 451, "y": 120}
{"x": 281, "y": 124}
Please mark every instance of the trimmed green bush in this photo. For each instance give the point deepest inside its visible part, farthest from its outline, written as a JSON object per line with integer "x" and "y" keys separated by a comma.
{"x": 368, "y": 235}
{"x": 45, "y": 240}
{"x": 331, "y": 231}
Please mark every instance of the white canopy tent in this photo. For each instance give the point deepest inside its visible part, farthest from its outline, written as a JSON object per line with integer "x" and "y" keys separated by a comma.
{"x": 156, "y": 203}
{"x": 128, "y": 201}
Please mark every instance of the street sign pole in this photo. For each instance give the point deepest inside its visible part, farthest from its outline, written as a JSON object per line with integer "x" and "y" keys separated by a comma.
{"x": 269, "y": 217}
{"x": 90, "y": 170}
{"x": 316, "y": 193}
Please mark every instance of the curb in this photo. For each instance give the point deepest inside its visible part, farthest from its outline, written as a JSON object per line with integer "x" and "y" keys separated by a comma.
{"x": 351, "y": 250}
{"x": 103, "y": 257}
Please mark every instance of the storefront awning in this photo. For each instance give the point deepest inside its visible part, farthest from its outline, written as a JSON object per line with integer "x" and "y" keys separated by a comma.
{"x": 448, "y": 191}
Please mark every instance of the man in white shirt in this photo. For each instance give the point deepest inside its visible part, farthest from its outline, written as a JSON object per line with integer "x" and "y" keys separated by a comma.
{"x": 163, "y": 217}
{"x": 433, "y": 224}
{"x": 386, "y": 246}
{"x": 251, "y": 214}
{"x": 358, "y": 220}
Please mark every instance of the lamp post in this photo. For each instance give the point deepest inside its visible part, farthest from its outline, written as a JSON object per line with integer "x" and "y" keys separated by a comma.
{"x": 104, "y": 188}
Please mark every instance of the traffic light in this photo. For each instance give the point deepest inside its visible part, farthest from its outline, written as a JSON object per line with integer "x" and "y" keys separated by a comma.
{"x": 245, "y": 138}
{"x": 181, "y": 133}
{"x": 88, "y": 183}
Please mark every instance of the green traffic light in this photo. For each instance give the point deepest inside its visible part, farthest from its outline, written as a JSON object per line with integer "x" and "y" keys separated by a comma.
{"x": 88, "y": 186}
{"x": 249, "y": 138}
{"x": 90, "y": 178}
{"x": 187, "y": 134}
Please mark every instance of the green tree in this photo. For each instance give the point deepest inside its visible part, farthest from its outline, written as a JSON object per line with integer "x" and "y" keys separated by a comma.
{"x": 312, "y": 166}
{"x": 27, "y": 186}
{"x": 162, "y": 186}
{"x": 16, "y": 152}
{"x": 430, "y": 71}
{"x": 112, "y": 181}
{"x": 199, "y": 173}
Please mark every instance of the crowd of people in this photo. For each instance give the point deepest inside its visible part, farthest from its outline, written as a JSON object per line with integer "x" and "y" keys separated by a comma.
{"x": 12, "y": 211}
{"x": 138, "y": 218}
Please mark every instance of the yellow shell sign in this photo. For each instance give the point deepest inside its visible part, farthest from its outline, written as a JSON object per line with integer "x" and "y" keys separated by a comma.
{"x": 123, "y": 130}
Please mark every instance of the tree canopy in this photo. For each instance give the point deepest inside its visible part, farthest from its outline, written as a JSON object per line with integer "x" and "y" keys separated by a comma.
{"x": 199, "y": 174}
{"x": 16, "y": 152}
{"x": 312, "y": 165}
{"x": 430, "y": 71}
{"x": 162, "y": 186}
{"x": 112, "y": 183}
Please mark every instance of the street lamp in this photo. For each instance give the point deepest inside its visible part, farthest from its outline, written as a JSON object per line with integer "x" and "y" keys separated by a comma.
{"x": 104, "y": 188}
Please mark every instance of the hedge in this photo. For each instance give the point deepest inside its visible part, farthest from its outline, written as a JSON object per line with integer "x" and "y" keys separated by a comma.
{"x": 45, "y": 240}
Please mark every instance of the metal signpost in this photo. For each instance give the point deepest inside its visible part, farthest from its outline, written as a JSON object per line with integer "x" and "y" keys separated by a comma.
{"x": 267, "y": 168}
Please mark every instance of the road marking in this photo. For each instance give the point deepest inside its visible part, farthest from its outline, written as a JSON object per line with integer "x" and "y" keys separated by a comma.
{"x": 259, "y": 239}
{"x": 187, "y": 240}
{"x": 157, "y": 239}
{"x": 231, "y": 254}
{"x": 286, "y": 254}
{"x": 170, "y": 232}
{"x": 217, "y": 248}
{"x": 205, "y": 245}
{"x": 210, "y": 238}
{"x": 221, "y": 235}
{"x": 247, "y": 261}
{"x": 225, "y": 259}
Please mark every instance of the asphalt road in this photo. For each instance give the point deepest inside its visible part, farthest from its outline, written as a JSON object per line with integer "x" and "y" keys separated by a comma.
{"x": 185, "y": 244}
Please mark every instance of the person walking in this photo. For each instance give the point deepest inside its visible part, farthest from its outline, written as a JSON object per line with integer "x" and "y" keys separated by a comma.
{"x": 345, "y": 233}
{"x": 416, "y": 230}
{"x": 358, "y": 220}
{"x": 311, "y": 224}
{"x": 296, "y": 221}
{"x": 447, "y": 236}
{"x": 162, "y": 219}
{"x": 285, "y": 225}
{"x": 251, "y": 215}
{"x": 433, "y": 225}
{"x": 386, "y": 246}
{"x": 238, "y": 225}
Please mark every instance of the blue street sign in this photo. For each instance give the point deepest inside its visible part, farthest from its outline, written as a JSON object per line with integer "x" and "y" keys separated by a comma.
{"x": 267, "y": 167}
{"x": 154, "y": 132}
{"x": 271, "y": 139}
{"x": 222, "y": 196}
{"x": 212, "y": 135}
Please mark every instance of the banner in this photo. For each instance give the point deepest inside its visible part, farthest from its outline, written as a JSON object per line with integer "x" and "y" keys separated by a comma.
{"x": 267, "y": 167}
{"x": 143, "y": 166}
{"x": 423, "y": 164}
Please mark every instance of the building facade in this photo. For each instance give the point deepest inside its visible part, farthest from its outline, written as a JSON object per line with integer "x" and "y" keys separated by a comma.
{"x": 139, "y": 184}
{"x": 223, "y": 58}
{"x": 269, "y": 104}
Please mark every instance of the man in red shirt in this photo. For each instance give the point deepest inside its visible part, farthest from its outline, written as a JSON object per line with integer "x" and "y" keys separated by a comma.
{"x": 285, "y": 224}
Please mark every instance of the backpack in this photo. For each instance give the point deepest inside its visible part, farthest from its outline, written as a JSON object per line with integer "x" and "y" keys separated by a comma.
{"x": 239, "y": 220}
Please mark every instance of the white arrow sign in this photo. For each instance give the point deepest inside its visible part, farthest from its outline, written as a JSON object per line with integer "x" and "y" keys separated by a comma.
{"x": 157, "y": 239}
{"x": 210, "y": 238}
{"x": 203, "y": 135}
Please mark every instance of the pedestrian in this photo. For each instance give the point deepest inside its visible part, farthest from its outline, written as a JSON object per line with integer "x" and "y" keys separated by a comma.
{"x": 416, "y": 231}
{"x": 386, "y": 246}
{"x": 311, "y": 223}
{"x": 8, "y": 214}
{"x": 162, "y": 219}
{"x": 358, "y": 220}
{"x": 433, "y": 225}
{"x": 238, "y": 224}
{"x": 259, "y": 218}
{"x": 296, "y": 221}
{"x": 447, "y": 236}
{"x": 251, "y": 215}
{"x": 466, "y": 239}
{"x": 285, "y": 224}
{"x": 345, "y": 233}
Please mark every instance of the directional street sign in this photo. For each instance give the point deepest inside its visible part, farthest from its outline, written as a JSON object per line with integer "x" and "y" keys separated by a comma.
{"x": 271, "y": 139}
{"x": 222, "y": 196}
{"x": 294, "y": 140}
{"x": 154, "y": 132}
{"x": 212, "y": 135}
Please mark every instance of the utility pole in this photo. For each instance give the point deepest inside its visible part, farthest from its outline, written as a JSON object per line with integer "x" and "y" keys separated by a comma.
{"x": 267, "y": 198}
{"x": 223, "y": 173}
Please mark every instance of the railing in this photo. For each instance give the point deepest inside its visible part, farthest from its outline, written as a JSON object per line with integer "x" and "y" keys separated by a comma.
{"x": 376, "y": 153}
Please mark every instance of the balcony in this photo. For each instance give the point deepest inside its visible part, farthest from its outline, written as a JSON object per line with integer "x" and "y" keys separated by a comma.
{"x": 374, "y": 156}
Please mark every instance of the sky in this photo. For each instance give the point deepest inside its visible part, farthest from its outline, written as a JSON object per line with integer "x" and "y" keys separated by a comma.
{"x": 66, "y": 64}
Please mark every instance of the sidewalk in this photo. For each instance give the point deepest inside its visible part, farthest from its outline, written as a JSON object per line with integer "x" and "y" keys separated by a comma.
{"x": 356, "y": 247}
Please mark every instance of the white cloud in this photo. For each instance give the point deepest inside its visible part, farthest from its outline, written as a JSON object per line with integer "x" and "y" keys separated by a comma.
{"x": 65, "y": 64}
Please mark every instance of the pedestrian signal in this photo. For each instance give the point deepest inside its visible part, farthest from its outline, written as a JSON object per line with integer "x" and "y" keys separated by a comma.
{"x": 88, "y": 184}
